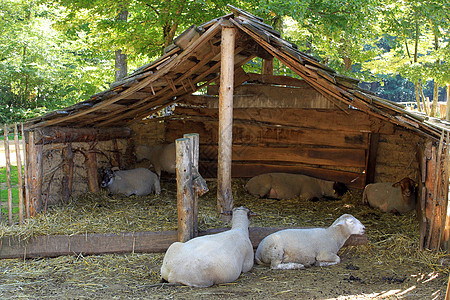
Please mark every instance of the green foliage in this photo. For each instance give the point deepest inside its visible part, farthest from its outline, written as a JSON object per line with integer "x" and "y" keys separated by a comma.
{"x": 40, "y": 69}
{"x": 4, "y": 190}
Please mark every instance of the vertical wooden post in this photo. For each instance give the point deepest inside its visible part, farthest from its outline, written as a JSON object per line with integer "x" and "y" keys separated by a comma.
{"x": 25, "y": 169}
{"x": 371, "y": 161}
{"x": 35, "y": 173}
{"x": 195, "y": 153}
{"x": 8, "y": 174}
{"x": 92, "y": 172}
{"x": 185, "y": 192}
{"x": 67, "y": 179}
{"x": 224, "y": 193}
{"x": 19, "y": 172}
{"x": 267, "y": 67}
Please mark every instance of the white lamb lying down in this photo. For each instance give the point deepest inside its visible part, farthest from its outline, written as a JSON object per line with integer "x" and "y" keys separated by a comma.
{"x": 300, "y": 248}
{"x": 211, "y": 259}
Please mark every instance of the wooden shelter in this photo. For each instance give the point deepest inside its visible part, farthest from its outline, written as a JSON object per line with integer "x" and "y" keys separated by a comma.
{"x": 319, "y": 123}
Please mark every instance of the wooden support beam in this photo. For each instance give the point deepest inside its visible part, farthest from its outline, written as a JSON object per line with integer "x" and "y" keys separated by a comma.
{"x": 185, "y": 192}
{"x": 92, "y": 171}
{"x": 267, "y": 67}
{"x": 127, "y": 242}
{"x": 50, "y": 135}
{"x": 372, "y": 157}
{"x": 194, "y": 147}
{"x": 67, "y": 179}
{"x": 35, "y": 173}
{"x": 224, "y": 193}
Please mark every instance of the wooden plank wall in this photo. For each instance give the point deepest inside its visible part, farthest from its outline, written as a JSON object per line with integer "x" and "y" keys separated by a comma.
{"x": 293, "y": 136}
{"x": 274, "y": 133}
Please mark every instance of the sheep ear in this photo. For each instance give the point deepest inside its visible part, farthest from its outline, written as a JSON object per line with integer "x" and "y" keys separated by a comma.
{"x": 396, "y": 184}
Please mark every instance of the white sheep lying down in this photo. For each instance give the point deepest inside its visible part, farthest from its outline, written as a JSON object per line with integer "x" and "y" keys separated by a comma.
{"x": 162, "y": 157}
{"x": 212, "y": 259}
{"x": 300, "y": 248}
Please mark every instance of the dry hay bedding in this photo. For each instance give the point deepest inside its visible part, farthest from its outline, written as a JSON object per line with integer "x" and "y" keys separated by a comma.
{"x": 390, "y": 266}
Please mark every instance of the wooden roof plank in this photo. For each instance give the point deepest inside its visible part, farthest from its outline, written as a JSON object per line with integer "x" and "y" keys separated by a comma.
{"x": 212, "y": 31}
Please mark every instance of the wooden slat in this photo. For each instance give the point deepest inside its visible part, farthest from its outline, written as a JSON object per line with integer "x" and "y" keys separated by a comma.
{"x": 250, "y": 133}
{"x": 180, "y": 58}
{"x": 129, "y": 242}
{"x": 326, "y": 119}
{"x": 310, "y": 155}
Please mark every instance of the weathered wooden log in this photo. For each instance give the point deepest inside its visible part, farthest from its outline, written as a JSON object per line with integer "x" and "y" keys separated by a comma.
{"x": 8, "y": 174}
{"x": 25, "y": 169}
{"x": 128, "y": 242}
{"x": 267, "y": 67}
{"x": 185, "y": 192}
{"x": 48, "y": 135}
{"x": 19, "y": 172}
{"x": 195, "y": 153}
{"x": 224, "y": 193}
{"x": 92, "y": 171}
{"x": 35, "y": 173}
{"x": 67, "y": 179}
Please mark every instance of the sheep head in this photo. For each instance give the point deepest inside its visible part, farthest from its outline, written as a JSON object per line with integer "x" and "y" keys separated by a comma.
{"x": 352, "y": 224}
{"x": 407, "y": 185}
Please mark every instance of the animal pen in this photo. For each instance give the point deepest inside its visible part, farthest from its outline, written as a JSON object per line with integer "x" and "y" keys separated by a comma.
{"x": 316, "y": 122}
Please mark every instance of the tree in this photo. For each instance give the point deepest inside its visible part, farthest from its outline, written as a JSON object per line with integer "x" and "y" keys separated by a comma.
{"x": 39, "y": 69}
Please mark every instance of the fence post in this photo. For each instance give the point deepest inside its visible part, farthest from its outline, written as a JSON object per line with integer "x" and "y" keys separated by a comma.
{"x": 8, "y": 174}
{"x": 19, "y": 172}
{"x": 25, "y": 169}
{"x": 185, "y": 193}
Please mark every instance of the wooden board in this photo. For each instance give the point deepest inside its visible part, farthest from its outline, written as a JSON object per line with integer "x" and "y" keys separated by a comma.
{"x": 336, "y": 120}
{"x": 251, "y": 133}
{"x": 129, "y": 242}
{"x": 310, "y": 155}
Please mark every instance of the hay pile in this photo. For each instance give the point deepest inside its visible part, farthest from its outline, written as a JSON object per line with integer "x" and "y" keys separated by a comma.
{"x": 393, "y": 238}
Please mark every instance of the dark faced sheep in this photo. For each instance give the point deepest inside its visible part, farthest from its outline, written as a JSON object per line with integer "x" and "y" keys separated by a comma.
{"x": 399, "y": 197}
{"x": 140, "y": 182}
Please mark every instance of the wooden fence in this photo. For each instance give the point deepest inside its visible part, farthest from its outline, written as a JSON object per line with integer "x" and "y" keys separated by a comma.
{"x": 13, "y": 154}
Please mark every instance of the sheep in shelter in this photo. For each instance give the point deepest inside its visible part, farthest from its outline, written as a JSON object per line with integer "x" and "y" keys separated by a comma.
{"x": 212, "y": 259}
{"x": 299, "y": 248}
{"x": 162, "y": 157}
{"x": 287, "y": 186}
{"x": 399, "y": 197}
{"x": 140, "y": 182}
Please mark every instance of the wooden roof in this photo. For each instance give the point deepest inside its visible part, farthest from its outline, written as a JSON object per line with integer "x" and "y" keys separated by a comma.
{"x": 193, "y": 62}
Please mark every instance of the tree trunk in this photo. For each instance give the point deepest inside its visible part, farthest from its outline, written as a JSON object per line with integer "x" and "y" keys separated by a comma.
{"x": 425, "y": 104}
{"x": 436, "y": 85}
{"x": 121, "y": 67}
{"x": 416, "y": 89}
{"x": 435, "y": 99}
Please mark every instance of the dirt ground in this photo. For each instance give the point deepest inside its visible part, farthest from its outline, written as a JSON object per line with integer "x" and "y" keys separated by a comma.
{"x": 360, "y": 275}
{"x": 390, "y": 266}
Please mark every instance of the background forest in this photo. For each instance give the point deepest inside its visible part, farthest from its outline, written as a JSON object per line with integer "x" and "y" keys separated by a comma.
{"x": 59, "y": 52}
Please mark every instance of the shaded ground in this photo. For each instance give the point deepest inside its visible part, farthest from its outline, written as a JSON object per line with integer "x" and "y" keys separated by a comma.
{"x": 389, "y": 267}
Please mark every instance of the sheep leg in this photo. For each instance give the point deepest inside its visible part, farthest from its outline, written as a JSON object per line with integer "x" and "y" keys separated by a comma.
{"x": 325, "y": 259}
{"x": 287, "y": 266}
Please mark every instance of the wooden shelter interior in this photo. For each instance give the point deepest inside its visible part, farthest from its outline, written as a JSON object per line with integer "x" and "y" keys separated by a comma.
{"x": 317, "y": 123}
